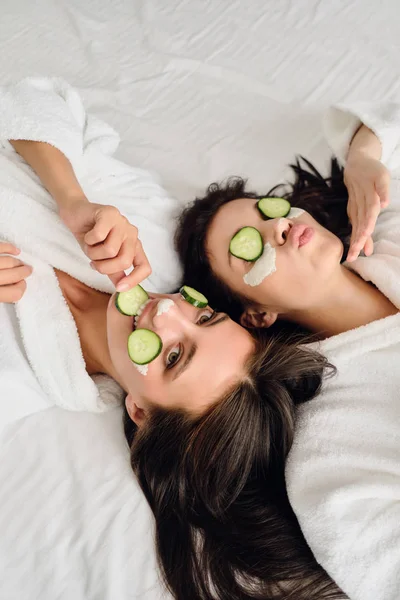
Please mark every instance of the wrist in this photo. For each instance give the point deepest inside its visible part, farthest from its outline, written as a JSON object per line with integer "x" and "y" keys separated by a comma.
{"x": 69, "y": 201}
{"x": 365, "y": 144}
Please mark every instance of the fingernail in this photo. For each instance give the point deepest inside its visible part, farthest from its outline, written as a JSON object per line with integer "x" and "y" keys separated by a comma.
{"x": 122, "y": 287}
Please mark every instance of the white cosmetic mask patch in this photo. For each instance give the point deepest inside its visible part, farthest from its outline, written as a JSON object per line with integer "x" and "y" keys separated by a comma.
{"x": 164, "y": 305}
{"x": 295, "y": 213}
{"x": 264, "y": 266}
{"x": 142, "y": 369}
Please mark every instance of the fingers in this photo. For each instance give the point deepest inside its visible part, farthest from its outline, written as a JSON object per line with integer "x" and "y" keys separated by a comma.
{"x": 14, "y": 275}
{"x": 105, "y": 219}
{"x": 6, "y": 248}
{"x": 141, "y": 271}
{"x": 122, "y": 261}
{"x": 12, "y": 293}
{"x": 111, "y": 247}
{"x": 363, "y": 224}
{"x": 383, "y": 189}
{"x": 369, "y": 247}
{"x": 130, "y": 255}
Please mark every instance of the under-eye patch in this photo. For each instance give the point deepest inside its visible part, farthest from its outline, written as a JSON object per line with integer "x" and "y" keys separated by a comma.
{"x": 247, "y": 244}
{"x": 194, "y": 297}
{"x": 273, "y": 208}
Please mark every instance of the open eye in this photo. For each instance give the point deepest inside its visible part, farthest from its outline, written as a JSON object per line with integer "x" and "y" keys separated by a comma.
{"x": 173, "y": 356}
{"x": 206, "y": 316}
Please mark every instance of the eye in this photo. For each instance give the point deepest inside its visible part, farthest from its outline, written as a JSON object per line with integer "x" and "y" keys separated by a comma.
{"x": 206, "y": 316}
{"x": 173, "y": 356}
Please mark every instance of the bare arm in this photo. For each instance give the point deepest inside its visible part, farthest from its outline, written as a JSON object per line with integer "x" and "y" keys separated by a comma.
{"x": 105, "y": 236}
{"x": 53, "y": 169}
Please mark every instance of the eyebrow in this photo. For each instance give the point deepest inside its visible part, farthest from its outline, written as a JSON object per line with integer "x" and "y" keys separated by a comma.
{"x": 193, "y": 349}
{"x": 216, "y": 321}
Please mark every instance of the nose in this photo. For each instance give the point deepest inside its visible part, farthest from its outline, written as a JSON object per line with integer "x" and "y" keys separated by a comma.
{"x": 166, "y": 314}
{"x": 281, "y": 228}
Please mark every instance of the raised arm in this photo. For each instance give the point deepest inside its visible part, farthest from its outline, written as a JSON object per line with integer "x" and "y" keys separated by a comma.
{"x": 368, "y": 183}
{"x": 365, "y": 138}
{"x": 106, "y": 237}
{"x": 54, "y": 170}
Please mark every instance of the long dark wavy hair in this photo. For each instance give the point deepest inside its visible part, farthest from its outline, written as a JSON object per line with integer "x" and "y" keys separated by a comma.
{"x": 224, "y": 526}
{"x": 325, "y": 198}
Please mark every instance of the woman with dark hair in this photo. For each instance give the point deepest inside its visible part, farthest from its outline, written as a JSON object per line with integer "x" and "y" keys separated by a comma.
{"x": 211, "y": 421}
{"x": 343, "y": 472}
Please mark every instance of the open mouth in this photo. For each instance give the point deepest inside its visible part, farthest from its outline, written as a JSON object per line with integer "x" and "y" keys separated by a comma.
{"x": 136, "y": 318}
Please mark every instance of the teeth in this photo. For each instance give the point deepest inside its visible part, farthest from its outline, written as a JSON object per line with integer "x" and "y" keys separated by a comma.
{"x": 139, "y": 312}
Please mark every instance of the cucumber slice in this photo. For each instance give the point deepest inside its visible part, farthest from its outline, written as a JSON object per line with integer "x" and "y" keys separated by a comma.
{"x": 144, "y": 346}
{"x": 247, "y": 244}
{"x": 273, "y": 208}
{"x": 128, "y": 303}
{"x": 193, "y": 296}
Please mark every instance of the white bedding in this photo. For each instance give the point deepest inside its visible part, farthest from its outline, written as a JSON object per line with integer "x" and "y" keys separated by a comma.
{"x": 198, "y": 90}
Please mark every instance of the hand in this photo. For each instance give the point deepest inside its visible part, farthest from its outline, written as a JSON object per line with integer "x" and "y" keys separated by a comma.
{"x": 13, "y": 273}
{"x": 368, "y": 182}
{"x": 109, "y": 240}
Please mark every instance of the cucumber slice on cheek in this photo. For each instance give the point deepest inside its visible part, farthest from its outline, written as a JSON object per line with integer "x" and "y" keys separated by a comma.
{"x": 247, "y": 244}
{"x": 144, "y": 346}
{"x": 193, "y": 296}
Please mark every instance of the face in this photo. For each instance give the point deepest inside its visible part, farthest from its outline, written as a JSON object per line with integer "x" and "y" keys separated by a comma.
{"x": 203, "y": 355}
{"x": 305, "y": 264}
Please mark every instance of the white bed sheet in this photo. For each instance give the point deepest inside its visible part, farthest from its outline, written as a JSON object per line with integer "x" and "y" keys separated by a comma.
{"x": 199, "y": 90}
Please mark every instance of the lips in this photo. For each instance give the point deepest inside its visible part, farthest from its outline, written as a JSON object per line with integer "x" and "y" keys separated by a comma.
{"x": 300, "y": 234}
{"x": 306, "y": 236}
{"x": 143, "y": 312}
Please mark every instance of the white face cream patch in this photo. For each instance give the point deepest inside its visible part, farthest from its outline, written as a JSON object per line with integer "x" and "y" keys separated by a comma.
{"x": 264, "y": 266}
{"x": 164, "y": 305}
{"x": 294, "y": 213}
{"x": 142, "y": 368}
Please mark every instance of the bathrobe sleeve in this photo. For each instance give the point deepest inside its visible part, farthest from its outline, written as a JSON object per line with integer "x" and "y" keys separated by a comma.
{"x": 51, "y": 110}
{"x": 341, "y": 122}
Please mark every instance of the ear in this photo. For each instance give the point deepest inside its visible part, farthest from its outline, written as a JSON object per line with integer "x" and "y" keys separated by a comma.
{"x": 137, "y": 414}
{"x": 257, "y": 318}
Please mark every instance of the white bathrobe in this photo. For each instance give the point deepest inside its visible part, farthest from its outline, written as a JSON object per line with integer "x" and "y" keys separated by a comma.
{"x": 343, "y": 472}
{"x": 41, "y": 362}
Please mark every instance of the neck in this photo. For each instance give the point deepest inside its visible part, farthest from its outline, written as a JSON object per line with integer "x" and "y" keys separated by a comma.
{"x": 350, "y": 302}
{"x": 89, "y": 309}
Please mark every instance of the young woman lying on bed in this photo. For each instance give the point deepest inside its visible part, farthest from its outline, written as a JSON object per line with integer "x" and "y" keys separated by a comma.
{"x": 210, "y": 424}
{"x": 343, "y": 471}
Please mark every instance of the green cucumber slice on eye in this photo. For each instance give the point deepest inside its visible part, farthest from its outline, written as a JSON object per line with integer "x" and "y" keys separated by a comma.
{"x": 144, "y": 346}
{"x": 247, "y": 244}
{"x": 273, "y": 208}
{"x": 128, "y": 303}
{"x": 195, "y": 298}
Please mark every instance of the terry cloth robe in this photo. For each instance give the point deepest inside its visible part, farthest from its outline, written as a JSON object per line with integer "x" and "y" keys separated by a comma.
{"x": 343, "y": 472}
{"x": 41, "y": 362}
